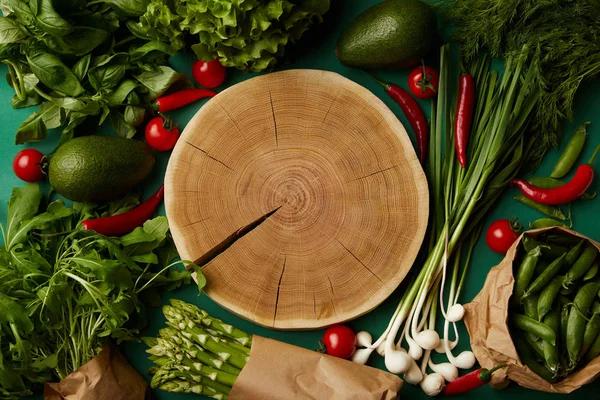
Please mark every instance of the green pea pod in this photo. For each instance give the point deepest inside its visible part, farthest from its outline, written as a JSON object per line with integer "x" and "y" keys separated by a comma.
{"x": 577, "y": 320}
{"x": 545, "y": 209}
{"x": 524, "y": 273}
{"x": 564, "y": 321}
{"x": 571, "y": 153}
{"x": 535, "y": 343}
{"x": 592, "y": 328}
{"x": 535, "y": 327}
{"x": 527, "y": 356}
{"x": 567, "y": 291}
{"x": 545, "y": 277}
{"x": 547, "y": 297}
{"x": 530, "y": 306}
{"x": 550, "y": 251}
{"x": 551, "y": 353}
{"x": 574, "y": 253}
{"x": 562, "y": 239}
{"x": 582, "y": 265}
{"x": 592, "y": 272}
{"x": 546, "y": 223}
{"x": 541, "y": 266}
{"x": 593, "y": 351}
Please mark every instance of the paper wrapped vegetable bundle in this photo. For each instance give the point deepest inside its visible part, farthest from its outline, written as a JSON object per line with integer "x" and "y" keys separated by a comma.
{"x": 197, "y": 353}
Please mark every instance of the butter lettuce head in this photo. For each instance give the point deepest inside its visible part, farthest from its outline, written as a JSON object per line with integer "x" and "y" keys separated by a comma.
{"x": 246, "y": 34}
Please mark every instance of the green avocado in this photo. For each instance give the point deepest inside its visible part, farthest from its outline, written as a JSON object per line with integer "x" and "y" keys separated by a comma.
{"x": 391, "y": 34}
{"x": 99, "y": 168}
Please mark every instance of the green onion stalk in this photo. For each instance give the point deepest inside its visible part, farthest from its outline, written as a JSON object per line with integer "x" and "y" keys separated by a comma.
{"x": 462, "y": 197}
{"x": 197, "y": 353}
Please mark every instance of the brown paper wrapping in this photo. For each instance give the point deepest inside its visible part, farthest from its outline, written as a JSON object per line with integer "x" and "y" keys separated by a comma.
{"x": 107, "y": 377}
{"x": 278, "y": 371}
{"x": 486, "y": 319}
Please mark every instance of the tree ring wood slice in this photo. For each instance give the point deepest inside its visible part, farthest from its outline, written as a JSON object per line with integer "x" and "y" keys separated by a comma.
{"x": 303, "y": 197}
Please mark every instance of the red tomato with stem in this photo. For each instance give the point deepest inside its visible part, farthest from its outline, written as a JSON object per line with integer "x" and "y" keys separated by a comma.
{"x": 501, "y": 235}
{"x": 209, "y": 74}
{"x": 339, "y": 341}
{"x": 161, "y": 133}
{"x": 28, "y": 165}
{"x": 423, "y": 82}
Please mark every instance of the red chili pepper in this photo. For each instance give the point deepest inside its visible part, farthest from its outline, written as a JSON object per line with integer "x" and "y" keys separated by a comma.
{"x": 570, "y": 191}
{"x": 117, "y": 225}
{"x": 464, "y": 117}
{"x": 182, "y": 98}
{"x": 470, "y": 381}
{"x": 413, "y": 112}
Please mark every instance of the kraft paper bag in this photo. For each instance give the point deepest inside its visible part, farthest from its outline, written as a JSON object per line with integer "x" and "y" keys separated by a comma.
{"x": 486, "y": 319}
{"x": 109, "y": 376}
{"x": 278, "y": 371}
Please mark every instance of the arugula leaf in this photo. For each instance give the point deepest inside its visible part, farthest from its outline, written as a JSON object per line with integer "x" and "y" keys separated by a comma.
{"x": 56, "y": 210}
{"x": 52, "y": 72}
{"x": 149, "y": 258}
{"x": 139, "y": 242}
{"x": 112, "y": 272}
{"x": 23, "y": 205}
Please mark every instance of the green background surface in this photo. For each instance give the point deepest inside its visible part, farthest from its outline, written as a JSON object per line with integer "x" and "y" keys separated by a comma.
{"x": 316, "y": 51}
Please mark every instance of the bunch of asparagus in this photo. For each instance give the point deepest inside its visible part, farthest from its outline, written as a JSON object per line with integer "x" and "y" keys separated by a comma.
{"x": 197, "y": 353}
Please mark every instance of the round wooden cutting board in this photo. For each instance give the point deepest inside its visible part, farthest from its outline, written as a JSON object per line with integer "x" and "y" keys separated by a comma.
{"x": 302, "y": 197}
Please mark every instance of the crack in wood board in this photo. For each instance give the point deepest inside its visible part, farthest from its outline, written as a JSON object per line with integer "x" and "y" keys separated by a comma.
{"x": 373, "y": 173}
{"x": 231, "y": 239}
{"x": 209, "y": 156}
{"x": 274, "y": 120}
{"x": 357, "y": 259}
{"x": 279, "y": 289}
{"x": 332, "y": 295}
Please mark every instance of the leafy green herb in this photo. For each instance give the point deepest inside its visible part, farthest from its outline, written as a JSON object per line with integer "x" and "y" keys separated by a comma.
{"x": 65, "y": 291}
{"x": 558, "y": 38}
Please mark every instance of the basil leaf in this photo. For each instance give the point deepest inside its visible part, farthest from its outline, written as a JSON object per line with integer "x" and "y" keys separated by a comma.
{"x": 32, "y": 129}
{"x": 159, "y": 80}
{"x": 48, "y": 19}
{"x": 23, "y": 205}
{"x": 81, "y": 67}
{"x": 131, "y": 8}
{"x": 51, "y": 71}
{"x": 118, "y": 96}
{"x": 23, "y": 13}
{"x": 134, "y": 115}
{"x": 69, "y": 103}
{"x": 82, "y": 40}
{"x": 104, "y": 114}
{"x": 109, "y": 73}
{"x": 10, "y": 31}
{"x": 149, "y": 47}
{"x": 30, "y": 81}
{"x": 122, "y": 127}
{"x": 52, "y": 115}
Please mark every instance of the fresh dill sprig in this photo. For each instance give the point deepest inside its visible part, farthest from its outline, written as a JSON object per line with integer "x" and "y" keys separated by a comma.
{"x": 561, "y": 39}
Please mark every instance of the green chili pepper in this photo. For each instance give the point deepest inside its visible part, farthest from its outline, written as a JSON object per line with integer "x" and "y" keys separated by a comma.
{"x": 547, "y": 297}
{"x": 551, "y": 353}
{"x": 545, "y": 277}
{"x": 530, "y": 305}
{"x": 535, "y": 327}
{"x": 571, "y": 153}
{"x": 545, "y": 209}
{"x": 592, "y": 272}
{"x": 546, "y": 223}
{"x": 525, "y": 273}
{"x": 527, "y": 357}
{"x": 577, "y": 320}
{"x": 582, "y": 265}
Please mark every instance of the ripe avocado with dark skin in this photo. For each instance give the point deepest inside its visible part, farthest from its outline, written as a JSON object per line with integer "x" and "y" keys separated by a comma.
{"x": 391, "y": 34}
{"x": 99, "y": 168}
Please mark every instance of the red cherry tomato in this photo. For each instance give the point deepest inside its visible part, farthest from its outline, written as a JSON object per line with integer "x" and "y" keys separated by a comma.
{"x": 161, "y": 134}
{"x": 423, "y": 82}
{"x": 339, "y": 341}
{"x": 209, "y": 74}
{"x": 27, "y": 165}
{"x": 501, "y": 235}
